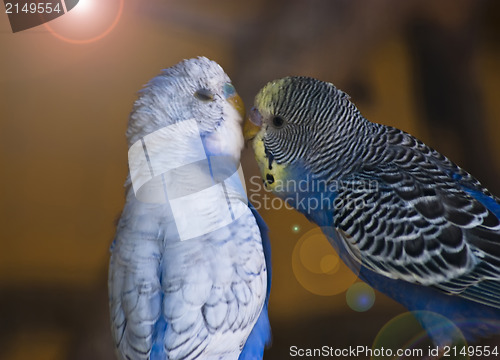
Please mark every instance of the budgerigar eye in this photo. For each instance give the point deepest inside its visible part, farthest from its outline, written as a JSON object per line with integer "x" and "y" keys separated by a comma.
{"x": 204, "y": 95}
{"x": 278, "y": 122}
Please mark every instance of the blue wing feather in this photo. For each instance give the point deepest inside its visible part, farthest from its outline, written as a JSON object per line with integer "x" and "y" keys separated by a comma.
{"x": 260, "y": 337}
{"x": 266, "y": 245}
{"x": 489, "y": 202}
{"x": 158, "y": 349}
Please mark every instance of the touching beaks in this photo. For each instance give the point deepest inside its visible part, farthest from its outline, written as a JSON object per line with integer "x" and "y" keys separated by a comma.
{"x": 236, "y": 101}
{"x": 252, "y": 124}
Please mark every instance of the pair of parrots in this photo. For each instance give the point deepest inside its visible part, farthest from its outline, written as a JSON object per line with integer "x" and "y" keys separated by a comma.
{"x": 190, "y": 270}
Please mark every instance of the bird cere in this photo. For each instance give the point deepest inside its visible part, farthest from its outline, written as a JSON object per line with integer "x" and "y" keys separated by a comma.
{"x": 427, "y": 233}
{"x": 189, "y": 274}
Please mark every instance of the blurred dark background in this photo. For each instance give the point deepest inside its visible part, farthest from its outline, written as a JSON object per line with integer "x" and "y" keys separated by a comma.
{"x": 431, "y": 68}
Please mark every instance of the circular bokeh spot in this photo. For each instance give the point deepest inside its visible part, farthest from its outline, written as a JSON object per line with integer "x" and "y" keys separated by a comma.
{"x": 360, "y": 297}
{"x": 405, "y": 334}
{"x": 295, "y": 228}
{"x": 329, "y": 264}
{"x": 318, "y": 268}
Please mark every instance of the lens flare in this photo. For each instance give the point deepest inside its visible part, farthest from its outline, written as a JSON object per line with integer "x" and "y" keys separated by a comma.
{"x": 404, "y": 332}
{"x": 89, "y": 21}
{"x": 329, "y": 264}
{"x": 360, "y": 297}
{"x": 84, "y": 7}
{"x": 318, "y": 268}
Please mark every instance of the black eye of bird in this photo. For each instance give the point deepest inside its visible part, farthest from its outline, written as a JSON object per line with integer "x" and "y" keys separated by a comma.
{"x": 204, "y": 95}
{"x": 278, "y": 122}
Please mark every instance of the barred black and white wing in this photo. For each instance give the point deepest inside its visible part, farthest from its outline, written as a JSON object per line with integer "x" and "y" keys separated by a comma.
{"x": 412, "y": 214}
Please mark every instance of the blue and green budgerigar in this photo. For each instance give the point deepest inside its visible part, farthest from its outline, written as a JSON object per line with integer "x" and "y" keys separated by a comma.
{"x": 189, "y": 275}
{"x": 415, "y": 225}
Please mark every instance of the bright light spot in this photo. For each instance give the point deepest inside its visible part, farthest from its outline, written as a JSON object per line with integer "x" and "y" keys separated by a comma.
{"x": 84, "y": 7}
{"x": 295, "y": 228}
{"x": 88, "y": 21}
{"x": 360, "y": 297}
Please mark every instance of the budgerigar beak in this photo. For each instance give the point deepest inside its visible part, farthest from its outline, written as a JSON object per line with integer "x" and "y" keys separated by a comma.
{"x": 252, "y": 124}
{"x": 236, "y": 101}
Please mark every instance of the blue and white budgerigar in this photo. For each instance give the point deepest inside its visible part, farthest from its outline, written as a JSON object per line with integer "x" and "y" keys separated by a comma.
{"x": 189, "y": 275}
{"x": 418, "y": 227}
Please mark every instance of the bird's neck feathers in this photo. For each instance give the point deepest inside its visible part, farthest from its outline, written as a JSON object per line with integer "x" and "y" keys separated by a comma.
{"x": 342, "y": 146}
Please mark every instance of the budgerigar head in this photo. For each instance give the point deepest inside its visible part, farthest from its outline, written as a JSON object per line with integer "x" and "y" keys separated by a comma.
{"x": 196, "y": 89}
{"x": 301, "y": 125}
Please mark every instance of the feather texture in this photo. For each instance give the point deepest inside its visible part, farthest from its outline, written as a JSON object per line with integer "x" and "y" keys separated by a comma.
{"x": 188, "y": 275}
{"x": 412, "y": 218}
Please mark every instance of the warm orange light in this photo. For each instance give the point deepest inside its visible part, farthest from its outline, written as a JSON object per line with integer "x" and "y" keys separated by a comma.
{"x": 89, "y": 21}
